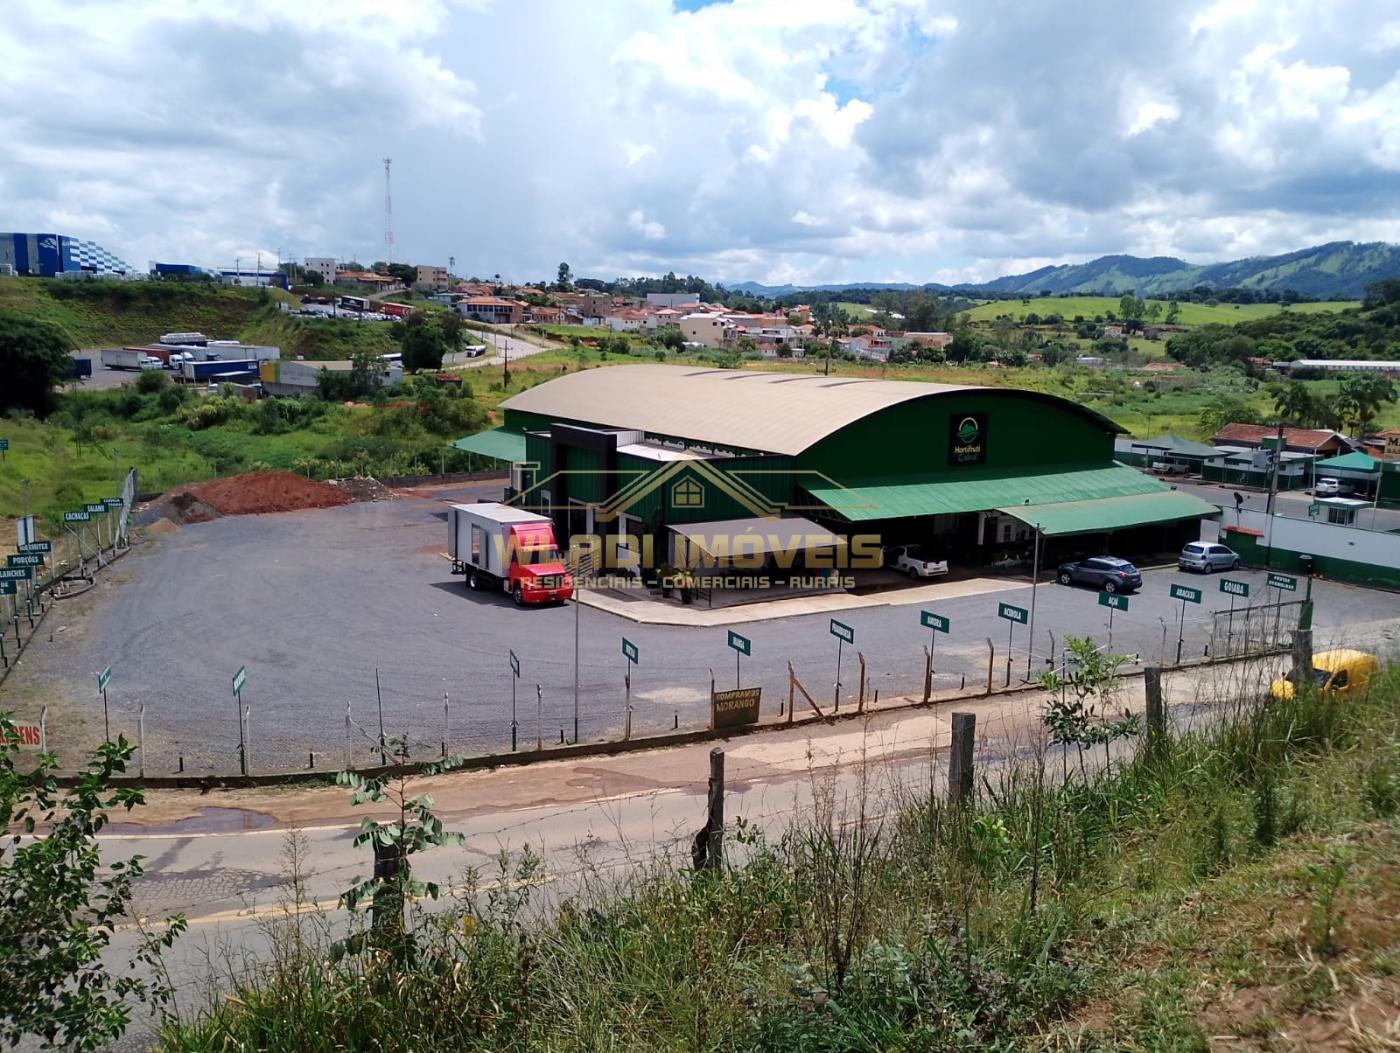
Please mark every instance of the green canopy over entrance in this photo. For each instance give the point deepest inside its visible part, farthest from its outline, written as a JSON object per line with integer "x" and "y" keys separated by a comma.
{"x": 1111, "y": 513}
{"x": 498, "y": 443}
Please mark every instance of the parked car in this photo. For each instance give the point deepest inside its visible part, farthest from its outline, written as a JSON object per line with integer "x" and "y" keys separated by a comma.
{"x": 1159, "y": 468}
{"x": 1329, "y": 487}
{"x": 1207, "y": 556}
{"x": 916, "y": 561}
{"x": 1103, "y": 572}
{"x": 1340, "y": 674}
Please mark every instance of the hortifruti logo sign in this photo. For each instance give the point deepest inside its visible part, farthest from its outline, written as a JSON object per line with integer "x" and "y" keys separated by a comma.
{"x": 771, "y": 546}
{"x": 967, "y": 438}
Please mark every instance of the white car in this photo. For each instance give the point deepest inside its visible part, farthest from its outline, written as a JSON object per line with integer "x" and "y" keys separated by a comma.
{"x": 1328, "y": 487}
{"x": 916, "y": 561}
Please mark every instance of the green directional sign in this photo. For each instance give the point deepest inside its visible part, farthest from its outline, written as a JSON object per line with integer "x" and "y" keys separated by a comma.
{"x": 1314, "y": 510}
{"x": 113, "y": 502}
{"x": 742, "y": 644}
{"x": 97, "y": 508}
{"x": 1187, "y": 593}
{"x": 1286, "y": 582}
{"x": 8, "y": 587}
{"x": 103, "y": 677}
{"x": 842, "y": 631}
{"x": 77, "y": 517}
{"x": 1233, "y": 587}
{"x": 1019, "y": 615}
{"x": 936, "y": 622}
{"x": 629, "y": 650}
{"x": 4, "y": 444}
{"x": 514, "y": 666}
{"x": 239, "y": 679}
{"x": 36, "y": 546}
{"x": 25, "y": 559}
{"x": 1116, "y": 600}
{"x": 16, "y": 573}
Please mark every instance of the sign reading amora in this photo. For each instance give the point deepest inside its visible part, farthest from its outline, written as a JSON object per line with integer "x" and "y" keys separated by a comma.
{"x": 967, "y": 438}
{"x": 732, "y": 709}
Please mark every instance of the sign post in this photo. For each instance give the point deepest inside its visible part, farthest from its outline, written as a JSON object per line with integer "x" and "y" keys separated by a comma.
{"x": 4, "y": 446}
{"x": 1114, "y": 601}
{"x": 514, "y": 677}
{"x": 102, "y": 679}
{"x": 97, "y": 508}
{"x": 1280, "y": 583}
{"x": 1233, "y": 588}
{"x": 1186, "y": 595}
{"x": 629, "y": 652}
{"x": 844, "y": 635}
{"x": 239, "y": 679}
{"x": 741, "y": 645}
{"x": 1014, "y": 616}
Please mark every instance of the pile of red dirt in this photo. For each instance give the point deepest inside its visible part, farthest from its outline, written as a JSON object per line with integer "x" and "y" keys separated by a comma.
{"x": 246, "y": 494}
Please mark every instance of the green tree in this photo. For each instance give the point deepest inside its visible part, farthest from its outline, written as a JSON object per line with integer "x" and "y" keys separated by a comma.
{"x": 1294, "y": 403}
{"x": 1360, "y": 398}
{"x": 1226, "y": 409}
{"x": 746, "y": 346}
{"x": 60, "y": 905}
{"x": 33, "y": 361}
{"x": 1173, "y": 312}
{"x": 421, "y": 340}
{"x": 565, "y": 281}
{"x": 1082, "y": 696}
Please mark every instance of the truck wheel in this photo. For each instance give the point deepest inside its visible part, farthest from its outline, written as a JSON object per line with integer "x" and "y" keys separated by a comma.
{"x": 473, "y": 582}
{"x": 518, "y": 596}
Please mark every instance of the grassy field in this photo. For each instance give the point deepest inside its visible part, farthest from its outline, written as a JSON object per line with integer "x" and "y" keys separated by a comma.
{"x": 1089, "y": 306}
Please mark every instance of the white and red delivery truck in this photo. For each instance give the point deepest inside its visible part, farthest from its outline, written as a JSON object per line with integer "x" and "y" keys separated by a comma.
{"x": 499, "y": 546}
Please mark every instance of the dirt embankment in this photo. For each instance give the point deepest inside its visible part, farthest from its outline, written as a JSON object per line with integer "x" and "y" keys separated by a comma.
{"x": 247, "y": 494}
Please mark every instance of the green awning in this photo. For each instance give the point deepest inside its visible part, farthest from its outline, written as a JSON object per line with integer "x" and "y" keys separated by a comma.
{"x": 498, "y": 443}
{"x": 1349, "y": 462}
{"x": 896, "y": 498}
{"x": 1111, "y": 513}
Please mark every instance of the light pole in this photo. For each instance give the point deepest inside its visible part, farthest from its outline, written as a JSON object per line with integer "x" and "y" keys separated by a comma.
{"x": 1035, "y": 578}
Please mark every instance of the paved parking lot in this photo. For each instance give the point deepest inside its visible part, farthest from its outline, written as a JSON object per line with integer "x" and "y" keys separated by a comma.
{"x": 314, "y": 602}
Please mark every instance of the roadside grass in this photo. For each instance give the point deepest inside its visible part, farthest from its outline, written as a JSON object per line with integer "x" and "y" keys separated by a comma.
{"x": 1067, "y": 907}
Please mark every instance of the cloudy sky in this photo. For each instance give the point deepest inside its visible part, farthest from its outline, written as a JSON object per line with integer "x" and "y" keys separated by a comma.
{"x": 772, "y": 140}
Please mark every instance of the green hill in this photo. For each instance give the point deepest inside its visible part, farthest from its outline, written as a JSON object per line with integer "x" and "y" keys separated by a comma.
{"x": 1068, "y": 307}
{"x": 109, "y": 314}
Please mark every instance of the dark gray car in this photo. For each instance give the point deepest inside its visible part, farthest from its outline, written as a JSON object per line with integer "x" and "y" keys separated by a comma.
{"x": 1103, "y": 572}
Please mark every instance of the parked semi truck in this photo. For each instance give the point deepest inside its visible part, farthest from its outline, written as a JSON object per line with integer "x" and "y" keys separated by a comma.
{"x": 500, "y": 547}
{"x": 195, "y": 371}
{"x": 129, "y": 358}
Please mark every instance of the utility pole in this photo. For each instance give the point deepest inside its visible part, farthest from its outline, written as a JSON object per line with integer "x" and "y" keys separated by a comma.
{"x": 1269, "y": 505}
{"x": 388, "y": 215}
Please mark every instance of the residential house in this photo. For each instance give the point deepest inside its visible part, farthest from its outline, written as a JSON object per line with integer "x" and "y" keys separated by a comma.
{"x": 494, "y": 309}
{"x": 1319, "y": 442}
{"x": 706, "y": 330}
{"x": 545, "y": 315}
{"x": 934, "y": 340}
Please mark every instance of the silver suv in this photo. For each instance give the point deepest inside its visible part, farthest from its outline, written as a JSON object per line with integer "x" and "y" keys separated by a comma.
{"x": 1206, "y": 556}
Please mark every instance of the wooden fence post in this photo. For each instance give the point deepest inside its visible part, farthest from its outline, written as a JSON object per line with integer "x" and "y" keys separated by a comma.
{"x": 1302, "y": 657}
{"x": 1156, "y": 712}
{"x": 991, "y": 661}
{"x": 960, "y": 757}
{"x": 707, "y": 850}
{"x": 860, "y": 698}
{"x": 928, "y": 673}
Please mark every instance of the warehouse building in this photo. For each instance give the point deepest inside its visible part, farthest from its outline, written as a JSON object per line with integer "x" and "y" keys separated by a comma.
{"x": 50, "y": 255}
{"x": 640, "y": 450}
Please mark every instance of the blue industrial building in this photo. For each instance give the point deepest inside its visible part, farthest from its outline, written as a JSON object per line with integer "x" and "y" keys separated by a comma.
{"x": 49, "y": 255}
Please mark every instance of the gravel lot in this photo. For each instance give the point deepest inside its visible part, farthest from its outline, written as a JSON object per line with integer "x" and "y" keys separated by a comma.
{"x": 313, "y": 602}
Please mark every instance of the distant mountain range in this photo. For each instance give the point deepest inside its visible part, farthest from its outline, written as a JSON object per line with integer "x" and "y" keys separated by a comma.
{"x": 1337, "y": 269}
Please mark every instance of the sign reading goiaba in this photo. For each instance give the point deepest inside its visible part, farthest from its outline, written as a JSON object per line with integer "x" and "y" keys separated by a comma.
{"x": 732, "y": 709}
{"x": 967, "y": 438}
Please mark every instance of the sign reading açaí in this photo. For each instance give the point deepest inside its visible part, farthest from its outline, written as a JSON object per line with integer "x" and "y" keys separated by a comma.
{"x": 967, "y": 438}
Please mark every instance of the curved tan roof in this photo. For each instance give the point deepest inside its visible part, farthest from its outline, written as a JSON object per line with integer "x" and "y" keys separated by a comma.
{"x": 760, "y": 410}
{"x": 749, "y": 409}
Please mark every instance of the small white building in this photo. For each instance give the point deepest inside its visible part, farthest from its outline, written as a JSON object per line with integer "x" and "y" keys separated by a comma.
{"x": 324, "y": 266}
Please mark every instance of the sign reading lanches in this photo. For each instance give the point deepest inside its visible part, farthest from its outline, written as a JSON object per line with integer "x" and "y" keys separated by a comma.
{"x": 967, "y": 438}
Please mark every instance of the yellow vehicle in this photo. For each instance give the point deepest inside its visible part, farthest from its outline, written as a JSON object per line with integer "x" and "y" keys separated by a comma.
{"x": 1340, "y": 673}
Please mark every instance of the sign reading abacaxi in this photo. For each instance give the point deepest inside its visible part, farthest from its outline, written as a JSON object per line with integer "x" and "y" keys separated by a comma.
{"x": 732, "y": 709}
{"x": 967, "y": 438}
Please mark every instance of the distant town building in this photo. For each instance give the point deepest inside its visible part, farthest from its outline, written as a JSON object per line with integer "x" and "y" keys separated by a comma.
{"x": 324, "y": 266}
{"x": 493, "y": 309}
{"x": 50, "y": 255}
{"x": 254, "y": 277}
{"x": 673, "y": 299}
{"x": 431, "y": 279}
{"x": 1323, "y": 442}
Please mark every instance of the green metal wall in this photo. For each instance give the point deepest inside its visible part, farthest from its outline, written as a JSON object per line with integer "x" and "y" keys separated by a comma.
{"x": 1254, "y": 554}
{"x": 770, "y": 477}
{"x": 912, "y": 438}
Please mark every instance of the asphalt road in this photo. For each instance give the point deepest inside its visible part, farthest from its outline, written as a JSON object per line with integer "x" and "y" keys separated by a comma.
{"x": 1292, "y": 504}
{"x": 313, "y": 603}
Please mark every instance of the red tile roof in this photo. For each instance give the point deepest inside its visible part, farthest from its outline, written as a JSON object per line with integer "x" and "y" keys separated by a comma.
{"x": 1310, "y": 438}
